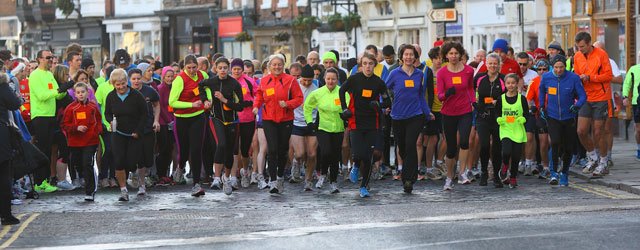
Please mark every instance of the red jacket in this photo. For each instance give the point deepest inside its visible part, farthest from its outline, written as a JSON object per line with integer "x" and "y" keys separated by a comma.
{"x": 274, "y": 89}
{"x": 86, "y": 114}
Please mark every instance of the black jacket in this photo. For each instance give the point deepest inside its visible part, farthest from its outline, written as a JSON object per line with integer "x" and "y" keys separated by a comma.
{"x": 8, "y": 101}
{"x": 131, "y": 113}
{"x": 232, "y": 91}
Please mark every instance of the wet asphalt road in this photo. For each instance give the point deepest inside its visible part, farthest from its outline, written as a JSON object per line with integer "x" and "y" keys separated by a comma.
{"x": 533, "y": 216}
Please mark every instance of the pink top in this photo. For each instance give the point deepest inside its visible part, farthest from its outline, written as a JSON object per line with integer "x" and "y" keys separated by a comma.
{"x": 460, "y": 102}
{"x": 246, "y": 115}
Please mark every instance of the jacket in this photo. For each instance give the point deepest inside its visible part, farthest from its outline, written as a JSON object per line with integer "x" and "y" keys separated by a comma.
{"x": 560, "y": 93}
{"x": 274, "y": 89}
{"x": 597, "y": 66}
{"x": 231, "y": 90}
{"x": 329, "y": 109}
{"x": 8, "y": 101}
{"x": 249, "y": 88}
{"x": 82, "y": 114}
{"x": 408, "y": 93}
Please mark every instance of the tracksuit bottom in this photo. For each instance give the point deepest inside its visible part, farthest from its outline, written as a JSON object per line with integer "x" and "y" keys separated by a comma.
{"x": 330, "y": 145}
{"x": 82, "y": 158}
{"x": 278, "y": 135}
{"x": 563, "y": 139}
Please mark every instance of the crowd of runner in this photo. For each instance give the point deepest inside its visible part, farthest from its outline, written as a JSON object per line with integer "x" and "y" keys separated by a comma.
{"x": 228, "y": 124}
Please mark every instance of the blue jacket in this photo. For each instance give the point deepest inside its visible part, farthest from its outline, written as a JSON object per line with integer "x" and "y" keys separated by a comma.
{"x": 561, "y": 92}
{"x": 408, "y": 94}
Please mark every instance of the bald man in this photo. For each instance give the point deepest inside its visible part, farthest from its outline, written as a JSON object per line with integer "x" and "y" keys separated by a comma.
{"x": 313, "y": 58}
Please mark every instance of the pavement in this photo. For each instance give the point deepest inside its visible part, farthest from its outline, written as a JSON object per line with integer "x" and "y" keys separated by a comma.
{"x": 625, "y": 173}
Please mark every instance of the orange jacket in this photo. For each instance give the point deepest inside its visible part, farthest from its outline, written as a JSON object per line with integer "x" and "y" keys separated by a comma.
{"x": 596, "y": 65}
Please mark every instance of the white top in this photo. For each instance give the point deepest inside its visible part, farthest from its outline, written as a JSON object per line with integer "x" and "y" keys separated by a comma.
{"x": 528, "y": 77}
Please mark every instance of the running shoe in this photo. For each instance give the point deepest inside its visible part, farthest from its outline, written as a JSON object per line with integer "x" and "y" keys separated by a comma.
{"x": 45, "y": 187}
{"x": 528, "y": 170}
{"x": 407, "y": 187}
{"x": 353, "y": 174}
{"x": 497, "y": 184}
{"x": 364, "y": 192}
{"x": 234, "y": 183}
{"x": 544, "y": 174}
{"x": 274, "y": 189}
{"x": 65, "y": 186}
{"x": 280, "y": 185}
{"x": 216, "y": 184}
{"x": 142, "y": 191}
{"x": 262, "y": 184}
{"x": 149, "y": 182}
{"x": 76, "y": 183}
{"x": 463, "y": 179}
{"x": 521, "y": 167}
{"x": 308, "y": 186}
{"x": 434, "y": 174}
{"x": 440, "y": 166}
{"x": 90, "y": 197}
{"x": 609, "y": 163}
{"x": 564, "y": 180}
{"x": 226, "y": 186}
{"x": 471, "y": 176}
{"x": 132, "y": 181}
{"x": 589, "y": 166}
{"x": 504, "y": 172}
{"x": 536, "y": 169}
{"x": 254, "y": 178}
{"x": 295, "y": 173}
{"x": 104, "y": 183}
{"x": 475, "y": 171}
{"x": 178, "y": 176}
{"x": 513, "y": 183}
{"x": 246, "y": 180}
{"x": 320, "y": 182}
{"x": 483, "y": 179}
{"x": 113, "y": 183}
{"x": 164, "y": 181}
{"x": 554, "y": 178}
{"x": 334, "y": 188}
{"x": 599, "y": 171}
{"x": 448, "y": 185}
{"x": 124, "y": 195}
{"x": 397, "y": 175}
{"x": 9, "y": 220}
{"x": 197, "y": 190}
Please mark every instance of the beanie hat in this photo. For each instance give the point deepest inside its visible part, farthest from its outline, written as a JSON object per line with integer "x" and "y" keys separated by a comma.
{"x": 500, "y": 44}
{"x": 388, "y": 50}
{"x": 542, "y": 63}
{"x": 17, "y": 69}
{"x": 554, "y": 45}
{"x": 329, "y": 55}
{"x": 307, "y": 72}
{"x": 165, "y": 70}
{"x": 438, "y": 43}
{"x": 157, "y": 65}
{"x": 143, "y": 67}
{"x": 86, "y": 62}
{"x": 237, "y": 62}
{"x": 539, "y": 53}
{"x": 558, "y": 58}
{"x": 335, "y": 52}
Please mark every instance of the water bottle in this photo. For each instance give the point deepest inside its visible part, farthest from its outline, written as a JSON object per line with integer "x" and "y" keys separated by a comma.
{"x": 114, "y": 124}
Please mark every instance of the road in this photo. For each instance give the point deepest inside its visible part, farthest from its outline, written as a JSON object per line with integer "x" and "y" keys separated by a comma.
{"x": 533, "y": 216}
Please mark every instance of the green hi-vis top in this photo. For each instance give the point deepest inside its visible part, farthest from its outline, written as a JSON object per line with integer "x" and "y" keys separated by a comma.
{"x": 512, "y": 121}
{"x": 101, "y": 96}
{"x": 329, "y": 109}
{"x": 43, "y": 90}
{"x": 631, "y": 86}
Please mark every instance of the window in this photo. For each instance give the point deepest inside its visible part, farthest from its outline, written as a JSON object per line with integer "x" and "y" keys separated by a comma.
{"x": 384, "y": 8}
{"x": 611, "y": 5}
{"x": 598, "y": 5}
{"x": 579, "y": 7}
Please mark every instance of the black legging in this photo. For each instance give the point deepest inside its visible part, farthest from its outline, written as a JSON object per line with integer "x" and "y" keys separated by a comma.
{"x": 43, "y": 132}
{"x": 330, "y": 145}
{"x": 225, "y": 138}
{"x": 406, "y": 134}
{"x": 452, "y": 125}
{"x": 511, "y": 151}
{"x": 386, "y": 131}
{"x": 278, "y": 135}
{"x": 108, "y": 169}
{"x": 82, "y": 158}
{"x": 245, "y": 135}
{"x": 208, "y": 148}
{"x": 6, "y": 182}
{"x": 489, "y": 133}
{"x": 190, "y": 131}
{"x": 165, "y": 145}
{"x": 563, "y": 137}
{"x": 363, "y": 143}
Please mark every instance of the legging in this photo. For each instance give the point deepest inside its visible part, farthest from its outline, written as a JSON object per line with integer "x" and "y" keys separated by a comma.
{"x": 511, "y": 151}
{"x": 563, "y": 137}
{"x": 190, "y": 131}
{"x": 406, "y": 134}
{"x": 330, "y": 145}
{"x": 82, "y": 158}
{"x": 452, "y": 125}
{"x": 245, "y": 135}
{"x": 208, "y": 149}
{"x": 225, "y": 137}
{"x": 278, "y": 135}
{"x": 107, "y": 168}
{"x": 489, "y": 133}
{"x": 363, "y": 143}
{"x": 165, "y": 145}
{"x": 148, "y": 146}
{"x": 6, "y": 182}
{"x": 126, "y": 151}
{"x": 43, "y": 132}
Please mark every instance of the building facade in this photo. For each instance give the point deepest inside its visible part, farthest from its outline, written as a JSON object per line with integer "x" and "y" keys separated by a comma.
{"x": 135, "y": 27}
{"x": 10, "y": 27}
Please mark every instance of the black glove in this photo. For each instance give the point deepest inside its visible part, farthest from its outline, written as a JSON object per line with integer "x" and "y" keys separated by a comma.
{"x": 346, "y": 114}
{"x": 451, "y": 91}
{"x": 65, "y": 86}
{"x": 201, "y": 84}
{"x": 543, "y": 113}
{"x": 247, "y": 104}
{"x": 574, "y": 109}
{"x": 312, "y": 125}
{"x": 533, "y": 109}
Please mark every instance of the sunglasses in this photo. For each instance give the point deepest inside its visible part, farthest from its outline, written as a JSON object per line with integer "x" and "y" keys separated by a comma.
{"x": 48, "y": 57}
{"x": 543, "y": 69}
{"x": 523, "y": 64}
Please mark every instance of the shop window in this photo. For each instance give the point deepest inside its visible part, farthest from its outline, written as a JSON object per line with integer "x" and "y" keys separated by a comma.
{"x": 579, "y": 7}
{"x": 598, "y": 5}
{"x": 611, "y": 5}
{"x": 583, "y": 26}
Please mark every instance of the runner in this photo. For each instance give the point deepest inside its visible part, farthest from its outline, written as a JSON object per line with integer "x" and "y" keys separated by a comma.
{"x": 126, "y": 111}
{"x": 247, "y": 123}
{"x": 363, "y": 113}
{"x": 513, "y": 112}
{"x": 165, "y": 137}
{"x": 631, "y": 90}
{"x": 8, "y": 101}
{"x": 559, "y": 89}
{"x": 280, "y": 95}
{"x": 536, "y": 125}
{"x": 303, "y": 138}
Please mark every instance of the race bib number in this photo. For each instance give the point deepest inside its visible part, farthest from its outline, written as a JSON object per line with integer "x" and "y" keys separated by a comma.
{"x": 50, "y": 86}
{"x": 408, "y": 83}
{"x": 270, "y": 91}
{"x": 456, "y": 80}
{"x": 170, "y": 109}
{"x": 366, "y": 93}
{"x": 337, "y": 102}
{"x": 244, "y": 91}
{"x": 511, "y": 119}
{"x": 225, "y": 107}
{"x": 553, "y": 91}
{"x": 81, "y": 116}
{"x": 488, "y": 100}
{"x": 196, "y": 91}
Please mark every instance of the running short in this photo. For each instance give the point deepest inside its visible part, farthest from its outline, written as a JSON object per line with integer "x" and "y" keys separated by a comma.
{"x": 595, "y": 110}
{"x": 433, "y": 127}
{"x": 535, "y": 124}
{"x": 303, "y": 131}
{"x": 636, "y": 113}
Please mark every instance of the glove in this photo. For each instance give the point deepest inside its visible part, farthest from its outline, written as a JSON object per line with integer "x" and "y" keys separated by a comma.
{"x": 312, "y": 126}
{"x": 533, "y": 109}
{"x": 521, "y": 120}
{"x": 374, "y": 105}
{"x": 451, "y": 91}
{"x": 65, "y": 86}
{"x": 574, "y": 109}
{"x": 474, "y": 105}
{"x": 543, "y": 114}
{"x": 201, "y": 84}
{"x": 247, "y": 104}
{"x": 501, "y": 121}
{"x": 346, "y": 114}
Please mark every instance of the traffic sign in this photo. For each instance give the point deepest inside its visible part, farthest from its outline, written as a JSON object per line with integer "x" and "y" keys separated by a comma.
{"x": 443, "y": 15}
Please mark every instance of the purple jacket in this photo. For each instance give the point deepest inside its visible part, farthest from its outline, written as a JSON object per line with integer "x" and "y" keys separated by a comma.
{"x": 166, "y": 113}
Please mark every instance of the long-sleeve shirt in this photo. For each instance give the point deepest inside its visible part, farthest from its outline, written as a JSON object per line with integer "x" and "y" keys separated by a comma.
{"x": 231, "y": 90}
{"x": 249, "y": 89}
{"x": 561, "y": 93}
{"x": 631, "y": 86}
{"x": 101, "y": 98}
{"x": 82, "y": 114}
{"x": 596, "y": 65}
{"x": 460, "y": 102}
{"x": 362, "y": 91}
{"x": 166, "y": 111}
{"x": 131, "y": 113}
{"x": 488, "y": 91}
{"x": 298, "y": 113}
{"x": 44, "y": 93}
{"x": 329, "y": 109}
{"x": 274, "y": 89}
{"x": 182, "y": 103}
{"x": 408, "y": 93}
